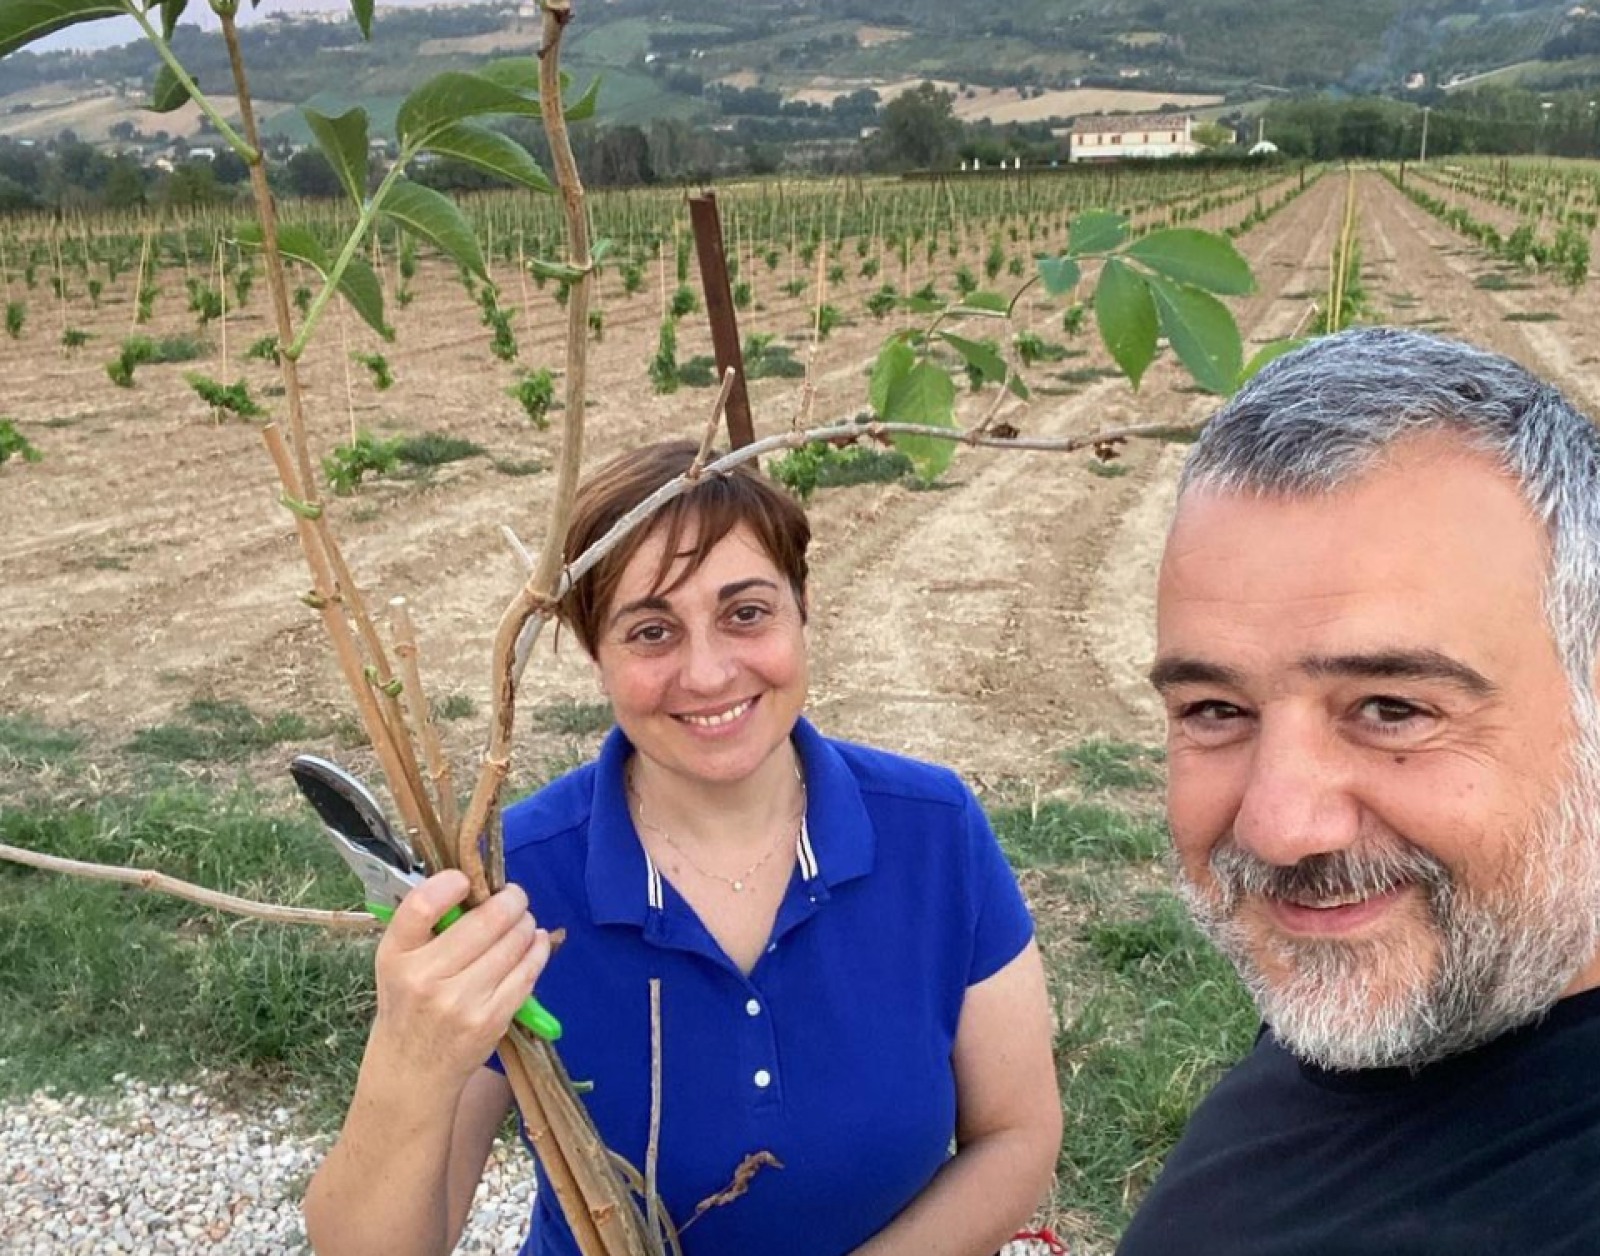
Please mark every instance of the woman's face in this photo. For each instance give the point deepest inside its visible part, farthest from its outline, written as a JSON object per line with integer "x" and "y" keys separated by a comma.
{"x": 706, "y": 681}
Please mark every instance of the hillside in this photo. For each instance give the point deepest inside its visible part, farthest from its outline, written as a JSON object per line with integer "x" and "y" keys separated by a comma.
{"x": 738, "y": 58}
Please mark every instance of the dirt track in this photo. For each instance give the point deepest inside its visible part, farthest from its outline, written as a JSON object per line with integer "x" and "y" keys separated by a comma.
{"x": 988, "y": 624}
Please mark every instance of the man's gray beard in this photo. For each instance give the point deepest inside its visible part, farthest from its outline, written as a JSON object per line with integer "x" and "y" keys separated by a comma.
{"x": 1504, "y": 956}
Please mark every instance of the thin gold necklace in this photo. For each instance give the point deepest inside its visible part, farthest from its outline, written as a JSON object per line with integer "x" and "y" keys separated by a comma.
{"x": 738, "y": 883}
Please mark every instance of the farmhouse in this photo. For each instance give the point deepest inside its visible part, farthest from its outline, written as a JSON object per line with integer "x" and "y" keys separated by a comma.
{"x": 1107, "y": 137}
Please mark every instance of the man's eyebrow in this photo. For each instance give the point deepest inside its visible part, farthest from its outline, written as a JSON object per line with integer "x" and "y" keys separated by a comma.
{"x": 1403, "y": 665}
{"x": 655, "y": 602}
{"x": 1176, "y": 670}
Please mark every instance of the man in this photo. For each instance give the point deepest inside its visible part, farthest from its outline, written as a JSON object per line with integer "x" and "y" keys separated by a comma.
{"x": 1377, "y": 622}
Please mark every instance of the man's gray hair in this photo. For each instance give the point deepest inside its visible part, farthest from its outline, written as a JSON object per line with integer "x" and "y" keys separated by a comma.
{"x": 1322, "y": 415}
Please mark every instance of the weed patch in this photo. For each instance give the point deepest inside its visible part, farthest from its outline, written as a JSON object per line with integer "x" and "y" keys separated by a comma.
{"x": 1101, "y": 765}
{"x": 1533, "y": 316}
{"x": 572, "y": 719}
{"x": 217, "y": 732}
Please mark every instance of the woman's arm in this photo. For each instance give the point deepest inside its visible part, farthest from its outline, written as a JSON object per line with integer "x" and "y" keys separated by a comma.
{"x": 400, "y": 1179}
{"x": 1008, "y": 1124}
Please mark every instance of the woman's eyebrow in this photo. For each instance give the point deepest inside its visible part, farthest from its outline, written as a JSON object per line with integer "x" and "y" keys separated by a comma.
{"x": 653, "y": 603}
{"x": 739, "y": 586}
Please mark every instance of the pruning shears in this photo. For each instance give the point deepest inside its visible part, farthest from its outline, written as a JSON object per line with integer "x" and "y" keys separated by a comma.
{"x": 354, "y": 822}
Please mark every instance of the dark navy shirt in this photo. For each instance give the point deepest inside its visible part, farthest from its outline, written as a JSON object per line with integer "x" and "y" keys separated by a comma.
{"x": 1495, "y": 1152}
{"x": 833, "y": 1054}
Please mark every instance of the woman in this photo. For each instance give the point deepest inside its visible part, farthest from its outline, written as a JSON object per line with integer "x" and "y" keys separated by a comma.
{"x": 848, "y": 976}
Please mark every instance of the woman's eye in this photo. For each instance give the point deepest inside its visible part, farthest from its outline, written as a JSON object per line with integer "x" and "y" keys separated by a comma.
{"x": 748, "y": 614}
{"x": 648, "y": 634}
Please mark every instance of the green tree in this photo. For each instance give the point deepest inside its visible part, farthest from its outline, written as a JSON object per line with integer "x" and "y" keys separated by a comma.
{"x": 920, "y": 129}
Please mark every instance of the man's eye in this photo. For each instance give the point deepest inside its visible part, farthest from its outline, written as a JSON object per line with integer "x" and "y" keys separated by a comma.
{"x": 1210, "y": 711}
{"x": 1389, "y": 711}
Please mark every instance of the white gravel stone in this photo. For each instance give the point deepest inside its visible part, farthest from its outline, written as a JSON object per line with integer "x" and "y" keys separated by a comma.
{"x": 175, "y": 1170}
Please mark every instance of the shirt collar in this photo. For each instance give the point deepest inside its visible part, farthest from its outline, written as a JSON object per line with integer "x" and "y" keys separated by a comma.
{"x": 622, "y": 882}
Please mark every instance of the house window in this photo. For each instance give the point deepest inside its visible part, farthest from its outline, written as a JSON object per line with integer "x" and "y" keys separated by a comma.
{"x": 1145, "y": 138}
{"x": 1174, "y": 137}
{"x": 1116, "y": 139}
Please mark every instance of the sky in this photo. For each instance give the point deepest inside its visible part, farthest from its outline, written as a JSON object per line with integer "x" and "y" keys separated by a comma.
{"x": 109, "y": 32}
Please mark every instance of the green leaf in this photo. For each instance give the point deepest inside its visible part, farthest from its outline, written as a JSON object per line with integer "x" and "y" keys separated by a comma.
{"x": 980, "y": 357}
{"x": 583, "y": 107}
{"x": 435, "y": 218}
{"x": 1019, "y": 386}
{"x": 1269, "y": 353}
{"x": 1202, "y": 333}
{"x": 167, "y": 92}
{"x": 296, "y": 243}
{"x": 983, "y": 303}
{"x": 516, "y": 74}
{"x": 562, "y": 272}
{"x": 1197, "y": 258}
{"x": 922, "y": 305}
{"x": 1098, "y": 231}
{"x": 490, "y": 150}
{"x": 894, "y": 363}
{"x": 23, "y": 21}
{"x": 1126, "y": 314}
{"x": 361, "y": 10}
{"x": 1060, "y": 275}
{"x": 452, "y": 97}
{"x": 359, "y": 285}
{"x": 171, "y": 11}
{"x": 601, "y": 249}
{"x": 925, "y": 395}
{"x": 343, "y": 141}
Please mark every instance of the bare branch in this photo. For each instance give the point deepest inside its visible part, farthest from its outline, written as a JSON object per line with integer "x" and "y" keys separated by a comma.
{"x": 709, "y": 437}
{"x": 144, "y": 879}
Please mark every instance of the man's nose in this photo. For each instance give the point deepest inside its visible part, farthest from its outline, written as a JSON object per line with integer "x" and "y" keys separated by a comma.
{"x": 1299, "y": 798}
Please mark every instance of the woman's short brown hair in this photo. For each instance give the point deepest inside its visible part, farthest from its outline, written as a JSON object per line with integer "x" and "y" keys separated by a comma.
{"x": 711, "y": 509}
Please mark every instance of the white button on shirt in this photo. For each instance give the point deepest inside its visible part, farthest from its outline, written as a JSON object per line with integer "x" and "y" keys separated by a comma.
{"x": 763, "y": 1079}
{"x": 753, "y": 1008}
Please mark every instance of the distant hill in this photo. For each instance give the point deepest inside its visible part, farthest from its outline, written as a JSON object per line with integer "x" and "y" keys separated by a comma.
{"x": 1029, "y": 58}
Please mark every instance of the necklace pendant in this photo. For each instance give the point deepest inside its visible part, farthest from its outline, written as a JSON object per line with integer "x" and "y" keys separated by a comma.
{"x": 737, "y": 885}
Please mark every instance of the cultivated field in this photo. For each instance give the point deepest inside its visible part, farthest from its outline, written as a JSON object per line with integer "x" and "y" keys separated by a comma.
{"x": 999, "y": 621}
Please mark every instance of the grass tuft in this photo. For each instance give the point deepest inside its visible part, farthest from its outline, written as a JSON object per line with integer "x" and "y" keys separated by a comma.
{"x": 217, "y": 732}
{"x": 1103, "y": 765}
{"x": 573, "y": 719}
{"x": 1058, "y": 832}
{"x": 433, "y": 449}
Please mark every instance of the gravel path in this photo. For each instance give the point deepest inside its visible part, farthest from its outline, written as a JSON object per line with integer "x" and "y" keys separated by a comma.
{"x": 174, "y": 1170}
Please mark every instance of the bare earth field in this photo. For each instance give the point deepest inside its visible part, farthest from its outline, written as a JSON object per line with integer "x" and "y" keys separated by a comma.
{"x": 987, "y": 623}
{"x": 1007, "y": 104}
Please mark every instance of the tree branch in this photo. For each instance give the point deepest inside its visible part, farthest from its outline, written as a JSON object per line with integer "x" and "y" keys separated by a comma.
{"x": 338, "y": 921}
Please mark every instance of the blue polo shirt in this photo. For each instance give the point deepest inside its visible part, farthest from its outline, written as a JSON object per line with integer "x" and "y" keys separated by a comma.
{"x": 833, "y": 1054}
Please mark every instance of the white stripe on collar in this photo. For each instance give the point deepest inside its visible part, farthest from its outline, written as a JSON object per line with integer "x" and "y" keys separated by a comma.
{"x": 652, "y": 883}
{"x": 807, "y": 856}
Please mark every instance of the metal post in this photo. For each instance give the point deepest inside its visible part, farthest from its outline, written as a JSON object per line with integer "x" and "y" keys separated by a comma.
{"x": 1423, "y": 155}
{"x": 707, "y": 224}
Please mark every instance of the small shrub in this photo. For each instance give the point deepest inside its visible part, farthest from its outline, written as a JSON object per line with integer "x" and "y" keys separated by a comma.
{"x": 770, "y": 257}
{"x": 203, "y": 301}
{"x": 699, "y": 371}
{"x": 828, "y": 320}
{"x": 16, "y": 316}
{"x": 242, "y": 283}
{"x": 134, "y": 353}
{"x": 536, "y": 393}
{"x": 763, "y": 359}
{"x": 632, "y": 278}
{"x": 146, "y": 300}
{"x": 434, "y": 449}
{"x": 74, "y": 338}
{"x": 820, "y": 465}
{"x": 966, "y": 281}
{"x": 367, "y": 455}
{"x": 742, "y": 296}
{"x": 14, "y": 442}
{"x": 503, "y": 344}
{"x": 403, "y": 296}
{"x": 1073, "y": 318}
{"x": 264, "y": 350}
{"x": 95, "y": 289}
{"x": 597, "y": 325}
{"x": 223, "y": 399}
{"x": 302, "y": 299}
{"x": 664, "y": 366}
{"x": 378, "y": 366}
{"x": 684, "y": 302}
{"x": 794, "y": 287}
{"x": 881, "y": 302}
{"x": 458, "y": 706}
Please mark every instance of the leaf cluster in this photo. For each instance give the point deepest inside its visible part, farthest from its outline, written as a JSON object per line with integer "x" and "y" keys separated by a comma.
{"x": 223, "y": 399}
{"x": 13, "y": 442}
{"x": 367, "y": 455}
{"x": 535, "y": 392}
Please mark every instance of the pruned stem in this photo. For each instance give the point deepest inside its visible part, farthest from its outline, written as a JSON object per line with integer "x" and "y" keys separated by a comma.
{"x": 161, "y": 883}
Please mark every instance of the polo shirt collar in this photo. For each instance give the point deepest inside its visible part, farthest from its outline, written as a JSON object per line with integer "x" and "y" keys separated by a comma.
{"x": 621, "y": 881}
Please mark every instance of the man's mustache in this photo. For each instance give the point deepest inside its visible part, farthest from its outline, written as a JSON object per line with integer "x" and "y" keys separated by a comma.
{"x": 1332, "y": 875}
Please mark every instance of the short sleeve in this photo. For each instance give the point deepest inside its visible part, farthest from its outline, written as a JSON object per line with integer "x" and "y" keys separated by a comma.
{"x": 1001, "y": 923}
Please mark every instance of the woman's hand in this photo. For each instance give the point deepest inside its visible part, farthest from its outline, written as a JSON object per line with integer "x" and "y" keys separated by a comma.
{"x": 445, "y": 1000}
